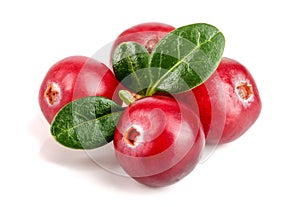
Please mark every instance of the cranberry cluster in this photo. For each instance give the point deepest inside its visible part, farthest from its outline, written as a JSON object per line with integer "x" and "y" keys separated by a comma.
{"x": 158, "y": 139}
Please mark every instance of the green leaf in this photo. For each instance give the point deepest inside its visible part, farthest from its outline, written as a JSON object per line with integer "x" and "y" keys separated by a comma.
{"x": 185, "y": 58}
{"x": 86, "y": 123}
{"x": 131, "y": 66}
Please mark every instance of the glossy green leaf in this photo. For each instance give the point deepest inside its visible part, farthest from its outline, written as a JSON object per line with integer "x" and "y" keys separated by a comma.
{"x": 130, "y": 64}
{"x": 86, "y": 123}
{"x": 185, "y": 58}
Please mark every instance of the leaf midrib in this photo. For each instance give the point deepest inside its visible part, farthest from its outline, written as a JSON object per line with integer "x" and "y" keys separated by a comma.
{"x": 152, "y": 89}
{"x": 133, "y": 71}
{"x": 63, "y": 131}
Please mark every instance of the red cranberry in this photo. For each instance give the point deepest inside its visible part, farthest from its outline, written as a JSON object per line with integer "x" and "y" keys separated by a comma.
{"x": 158, "y": 140}
{"x": 146, "y": 34}
{"x": 72, "y": 78}
{"x": 232, "y": 93}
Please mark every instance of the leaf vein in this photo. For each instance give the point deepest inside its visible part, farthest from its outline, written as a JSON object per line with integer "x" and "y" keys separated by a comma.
{"x": 198, "y": 46}
{"x": 66, "y": 130}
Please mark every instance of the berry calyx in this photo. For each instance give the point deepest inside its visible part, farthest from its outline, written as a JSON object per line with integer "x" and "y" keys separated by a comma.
{"x": 132, "y": 135}
{"x": 52, "y": 94}
{"x": 244, "y": 90}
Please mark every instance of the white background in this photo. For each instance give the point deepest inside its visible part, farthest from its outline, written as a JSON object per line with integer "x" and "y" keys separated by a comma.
{"x": 259, "y": 169}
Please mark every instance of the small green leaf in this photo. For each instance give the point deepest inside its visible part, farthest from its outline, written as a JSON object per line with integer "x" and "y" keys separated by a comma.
{"x": 185, "y": 58}
{"x": 126, "y": 97}
{"x": 86, "y": 123}
{"x": 130, "y": 64}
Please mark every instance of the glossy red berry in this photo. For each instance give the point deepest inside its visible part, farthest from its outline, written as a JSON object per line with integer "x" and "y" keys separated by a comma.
{"x": 228, "y": 102}
{"x": 158, "y": 140}
{"x": 72, "y": 78}
{"x": 146, "y": 34}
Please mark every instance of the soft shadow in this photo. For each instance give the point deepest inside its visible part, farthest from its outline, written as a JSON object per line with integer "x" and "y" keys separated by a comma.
{"x": 52, "y": 151}
{"x": 100, "y": 164}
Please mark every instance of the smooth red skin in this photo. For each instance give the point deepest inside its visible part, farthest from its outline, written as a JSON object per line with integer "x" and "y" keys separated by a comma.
{"x": 218, "y": 93}
{"x": 143, "y": 33}
{"x": 77, "y": 77}
{"x": 172, "y": 142}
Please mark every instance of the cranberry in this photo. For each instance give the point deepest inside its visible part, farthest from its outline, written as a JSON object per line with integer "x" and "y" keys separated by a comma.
{"x": 232, "y": 93}
{"x": 158, "y": 140}
{"x": 72, "y": 78}
{"x": 146, "y": 34}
